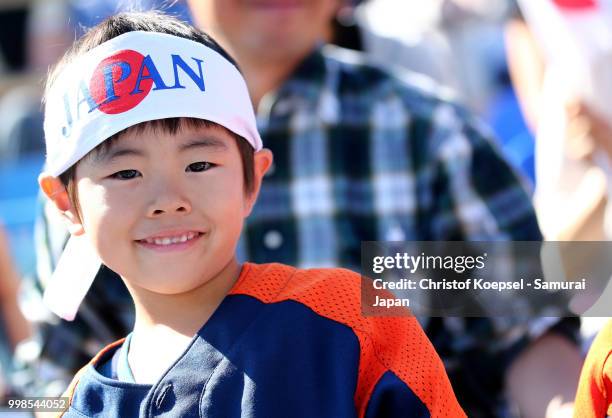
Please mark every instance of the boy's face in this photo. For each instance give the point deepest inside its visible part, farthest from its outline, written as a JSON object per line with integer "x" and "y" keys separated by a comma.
{"x": 165, "y": 211}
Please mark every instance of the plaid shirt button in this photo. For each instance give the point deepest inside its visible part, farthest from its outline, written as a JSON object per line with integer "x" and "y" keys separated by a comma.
{"x": 395, "y": 234}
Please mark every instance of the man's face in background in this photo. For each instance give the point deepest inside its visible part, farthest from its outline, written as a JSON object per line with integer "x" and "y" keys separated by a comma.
{"x": 267, "y": 29}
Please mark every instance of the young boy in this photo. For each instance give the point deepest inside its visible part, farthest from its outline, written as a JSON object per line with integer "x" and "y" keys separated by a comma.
{"x": 154, "y": 160}
{"x": 594, "y": 396}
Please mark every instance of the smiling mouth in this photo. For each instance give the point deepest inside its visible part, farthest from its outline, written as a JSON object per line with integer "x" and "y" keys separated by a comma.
{"x": 171, "y": 240}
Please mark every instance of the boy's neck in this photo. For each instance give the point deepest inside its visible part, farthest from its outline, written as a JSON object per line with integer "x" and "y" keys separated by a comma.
{"x": 183, "y": 313}
{"x": 264, "y": 77}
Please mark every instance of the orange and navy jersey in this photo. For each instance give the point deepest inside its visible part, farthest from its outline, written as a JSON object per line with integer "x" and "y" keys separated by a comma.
{"x": 285, "y": 343}
{"x": 594, "y": 396}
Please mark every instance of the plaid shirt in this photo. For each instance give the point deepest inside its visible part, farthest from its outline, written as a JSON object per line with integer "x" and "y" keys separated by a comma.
{"x": 359, "y": 154}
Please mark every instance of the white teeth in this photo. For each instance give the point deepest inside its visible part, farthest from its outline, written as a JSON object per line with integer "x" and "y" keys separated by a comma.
{"x": 171, "y": 240}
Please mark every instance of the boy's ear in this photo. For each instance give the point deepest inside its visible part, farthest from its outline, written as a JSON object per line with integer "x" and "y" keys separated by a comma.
{"x": 262, "y": 160}
{"x": 53, "y": 188}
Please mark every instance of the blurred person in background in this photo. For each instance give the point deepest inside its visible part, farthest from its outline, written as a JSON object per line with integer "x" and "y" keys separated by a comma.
{"x": 335, "y": 122}
{"x": 560, "y": 54}
{"x": 560, "y": 57}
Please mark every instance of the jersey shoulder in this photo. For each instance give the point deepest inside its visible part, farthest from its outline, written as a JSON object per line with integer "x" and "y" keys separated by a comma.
{"x": 387, "y": 343}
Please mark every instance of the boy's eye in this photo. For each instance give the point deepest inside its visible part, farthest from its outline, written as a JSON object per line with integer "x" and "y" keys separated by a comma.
{"x": 125, "y": 174}
{"x": 199, "y": 166}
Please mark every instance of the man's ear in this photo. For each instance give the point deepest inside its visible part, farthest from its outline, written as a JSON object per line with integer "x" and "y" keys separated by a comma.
{"x": 262, "y": 160}
{"x": 53, "y": 188}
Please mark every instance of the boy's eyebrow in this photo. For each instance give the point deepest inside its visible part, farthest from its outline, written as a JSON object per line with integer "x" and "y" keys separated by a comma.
{"x": 203, "y": 142}
{"x": 113, "y": 153}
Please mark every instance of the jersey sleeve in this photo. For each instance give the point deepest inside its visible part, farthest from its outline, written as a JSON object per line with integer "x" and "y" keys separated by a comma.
{"x": 401, "y": 374}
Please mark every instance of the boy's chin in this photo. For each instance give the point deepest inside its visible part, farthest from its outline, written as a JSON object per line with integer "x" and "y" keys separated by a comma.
{"x": 178, "y": 286}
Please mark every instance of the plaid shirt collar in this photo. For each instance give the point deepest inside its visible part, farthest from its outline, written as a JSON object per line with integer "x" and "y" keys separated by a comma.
{"x": 311, "y": 87}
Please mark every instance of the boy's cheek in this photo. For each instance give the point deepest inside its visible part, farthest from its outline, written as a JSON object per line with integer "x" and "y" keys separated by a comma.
{"x": 102, "y": 219}
{"x": 96, "y": 200}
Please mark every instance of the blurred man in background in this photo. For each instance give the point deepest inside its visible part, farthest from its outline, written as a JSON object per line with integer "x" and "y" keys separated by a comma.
{"x": 560, "y": 55}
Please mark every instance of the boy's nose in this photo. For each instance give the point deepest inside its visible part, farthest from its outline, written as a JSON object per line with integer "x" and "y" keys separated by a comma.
{"x": 178, "y": 209}
{"x": 169, "y": 203}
